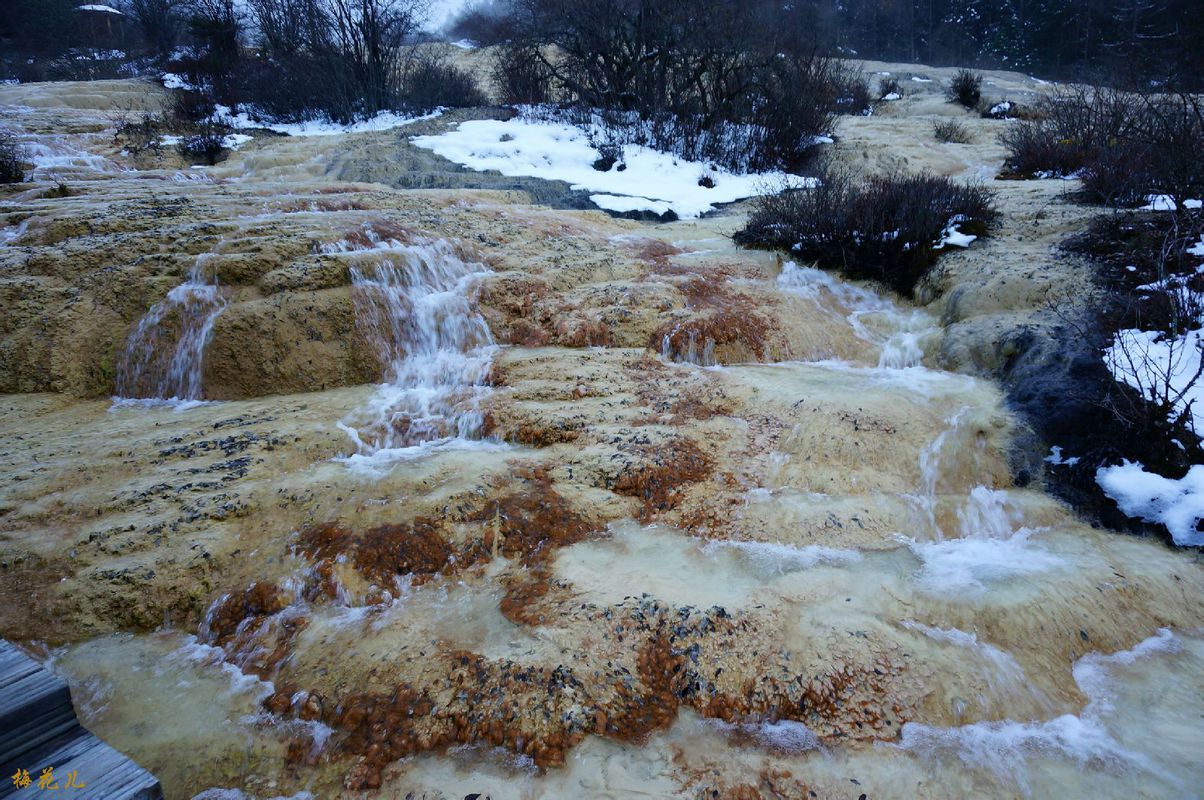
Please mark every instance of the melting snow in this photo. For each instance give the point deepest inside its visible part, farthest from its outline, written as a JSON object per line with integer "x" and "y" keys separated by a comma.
{"x": 643, "y": 180}
{"x": 385, "y": 120}
{"x": 1177, "y": 504}
{"x": 1164, "y": 202}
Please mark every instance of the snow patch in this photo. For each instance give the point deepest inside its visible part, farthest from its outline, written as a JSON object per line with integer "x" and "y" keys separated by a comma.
{"x": 1177, "y": 504}
{"x": 383, "y": 121}
{"x": 1152, "y": 362}
{"x": 1164, "y": 202}
{"x": 642, "y": 180}
{"x": 1055, "y": 457}
{"x": 171, "y": 80}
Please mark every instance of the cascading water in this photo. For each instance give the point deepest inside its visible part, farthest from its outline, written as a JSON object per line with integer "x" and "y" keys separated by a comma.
{"x": 164, "y": 356}
{"x": 413, "y": 305}
{"x": 698, "y": 356}
{"x": 898, "y": 334}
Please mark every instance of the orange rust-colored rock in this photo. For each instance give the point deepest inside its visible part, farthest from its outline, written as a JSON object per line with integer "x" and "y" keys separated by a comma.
{"x": 260, "y": 599}
{"x": 661, "y": 471}
{"x": 534, "y": 520}
{"x": 384, "y": 552}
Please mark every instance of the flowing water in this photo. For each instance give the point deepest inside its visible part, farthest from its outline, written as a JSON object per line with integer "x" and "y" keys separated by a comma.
{"x": 1022, "y": 653}
{"x": 414, "y": 306}
{"x": 164, "y": 356}
{"x": 967, "y": 581}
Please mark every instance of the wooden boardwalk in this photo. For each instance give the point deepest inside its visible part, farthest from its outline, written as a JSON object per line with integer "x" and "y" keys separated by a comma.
{"x": 39, "y": 729}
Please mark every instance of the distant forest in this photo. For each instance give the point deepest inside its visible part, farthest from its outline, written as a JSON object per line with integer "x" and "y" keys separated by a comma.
{"x": 1128, "y": 39}
{"x": 1115, "y": 41}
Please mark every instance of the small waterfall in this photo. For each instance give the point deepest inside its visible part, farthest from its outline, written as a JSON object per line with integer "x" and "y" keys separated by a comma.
{"x": 930, "y": 470}
{"x": 164, "y": 356}
{"x": 898, "y": 334}
{"x": 704, "y": 357}
{"x": 54, "y": 158}
{"x": 413, "y": 305}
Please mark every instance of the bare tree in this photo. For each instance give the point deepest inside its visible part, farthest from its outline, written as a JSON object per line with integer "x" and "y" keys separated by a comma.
{"x": 159, "y": 22}
{"x": 342, "y": 57}
{"x": 216, "y": 27}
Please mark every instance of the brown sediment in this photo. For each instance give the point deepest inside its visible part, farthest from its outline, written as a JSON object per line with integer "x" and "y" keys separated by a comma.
{"x": 651, "y": 707}
{"x": 384, "y": 552}
{"x": 260, "y": 599}
{"x": 337, "y": 189}
{"x": 532, "y": 315}
{"x": 742, "y": 328}
{"x": 367, "y": 235}
{"x": 325, "y": 204}
{"x": 662, "y": 470}
{"x": 27, "y": 598}
{"x": 527, "y": 524}
{"x": 655, "y": 251}
{"x": 389, "y": 550}
{"x": 522, "y": 603}
{"x": 532, "y": 521}
{"x": 544, "y": 711}
{"x": 532, "y": 432}
{"x": 252, "y": 630}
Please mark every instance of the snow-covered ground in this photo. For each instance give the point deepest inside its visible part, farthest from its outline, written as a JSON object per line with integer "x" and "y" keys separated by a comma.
{"x": 642, "y": 180}
{"x": 1177, "y": 504}
{"x": 382, "y": 121}
{"x": 1157, "y": 365}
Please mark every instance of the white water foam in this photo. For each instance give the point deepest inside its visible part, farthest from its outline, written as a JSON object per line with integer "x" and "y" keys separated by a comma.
{"x": 414, "y": 304}
{"x": 769, "y": 560}
{"x": 1006, "y": 748}
{"x": 54, "y": 159}
{"x": 992, "y": 547}
{"x": 898, "y": 334}
{"x": 164, "y": 356}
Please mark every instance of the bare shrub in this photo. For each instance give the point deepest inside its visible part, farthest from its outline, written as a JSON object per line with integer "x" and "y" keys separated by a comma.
{"x": 951, "y": 131}
{"x": 432, "y": 82}
{"x": 853, "y": 91}
{"x": 206, "y": 146}
{"x": 188, "y": 107}
{"x": 340, "y": 59}
{"x": 1153, "y": 304}
{"x": 965, "y": 88}
{"x": 137, "y": 132}
{"x": 216, "y": 27}
{"x": 159, "y": 22}
{"x": 12, "y": 169}
{"x": 1125, "y": 145}
{"x": 1173, "y": 125}
{"x": 886, "y": 228}
{"x": 889, "y": 85}
{"x": 521, "y": 76}
{"x": 1075, "y": 125}
{"x": 709, "y": 79}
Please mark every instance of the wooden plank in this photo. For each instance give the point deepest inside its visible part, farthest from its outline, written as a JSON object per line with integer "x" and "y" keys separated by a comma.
{"x": 39, "y": 729}
{"x": 105, "y": 772}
